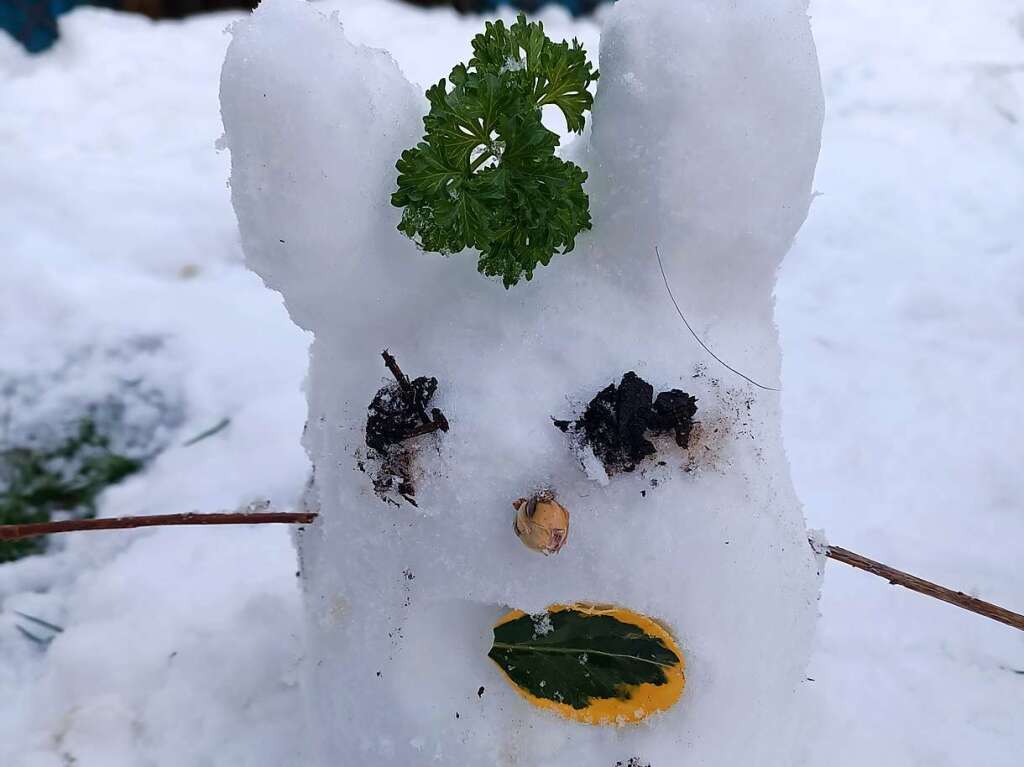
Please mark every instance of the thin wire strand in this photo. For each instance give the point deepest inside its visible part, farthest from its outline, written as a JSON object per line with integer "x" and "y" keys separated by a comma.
{"x": 704, "y": 346}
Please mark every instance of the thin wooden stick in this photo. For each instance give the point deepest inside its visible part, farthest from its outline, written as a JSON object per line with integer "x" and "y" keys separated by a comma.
{"x": 907, "y": 581}
{"x": 14, "y": 532}
{"x": 891, "y": 574}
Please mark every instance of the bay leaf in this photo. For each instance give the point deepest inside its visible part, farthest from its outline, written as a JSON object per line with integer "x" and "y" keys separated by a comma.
{"x": 596, "y": 664}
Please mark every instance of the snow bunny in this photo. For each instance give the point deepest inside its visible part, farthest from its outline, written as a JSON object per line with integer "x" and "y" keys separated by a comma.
{"x": 702, "y": 145}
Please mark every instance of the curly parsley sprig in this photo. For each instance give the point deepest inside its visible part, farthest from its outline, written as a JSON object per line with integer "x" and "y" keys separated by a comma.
{"x": 485, "y": 174}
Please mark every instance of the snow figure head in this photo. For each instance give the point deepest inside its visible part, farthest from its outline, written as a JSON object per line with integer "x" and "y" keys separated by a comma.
{"x": 705, "y": 134}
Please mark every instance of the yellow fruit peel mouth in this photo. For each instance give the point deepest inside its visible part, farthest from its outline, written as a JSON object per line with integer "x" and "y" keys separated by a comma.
{"x": 548, "y": 658}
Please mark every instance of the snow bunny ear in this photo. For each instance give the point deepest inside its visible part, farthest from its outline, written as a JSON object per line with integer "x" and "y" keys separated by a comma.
{"x": 305, "y": 212}
{"x": 707, "y": 149}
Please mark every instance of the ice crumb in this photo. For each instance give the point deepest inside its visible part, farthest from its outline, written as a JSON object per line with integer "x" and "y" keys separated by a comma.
{"x": 633, "y": 83}
{"x": 592, "y": 465}
{"x": 513, "y": 65}
{"x": 818, "y": 541}
{"x": 542, "y": 625}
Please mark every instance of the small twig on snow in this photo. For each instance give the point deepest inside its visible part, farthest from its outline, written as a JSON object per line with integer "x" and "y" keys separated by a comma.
{"x": 42, "y": 641}
{"x": 402, "y": 378}
{"x": 40, "y": 622}
{"x": 15, "y": 532}
{"x": 891, "y": 574}
{"x": 907, "y": 581}
{"x": 215, "y": 429}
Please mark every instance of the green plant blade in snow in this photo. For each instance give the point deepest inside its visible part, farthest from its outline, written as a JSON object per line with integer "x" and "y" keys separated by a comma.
{"x": 68, "y": 476}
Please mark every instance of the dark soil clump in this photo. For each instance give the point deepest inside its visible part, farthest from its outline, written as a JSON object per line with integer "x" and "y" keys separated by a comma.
{"x": 397, "y": 413}
{"x": 394, "y": 414}
{"x": 618, "y": 420}
{"x": 673, "y": 411}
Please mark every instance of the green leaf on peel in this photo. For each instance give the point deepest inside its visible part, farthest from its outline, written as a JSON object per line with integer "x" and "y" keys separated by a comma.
{"x": 593, "y": 664}
{"x": 485, "y": 174}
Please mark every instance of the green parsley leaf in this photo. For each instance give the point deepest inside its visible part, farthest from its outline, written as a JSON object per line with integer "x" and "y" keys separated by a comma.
{"x": 485, "y": 174}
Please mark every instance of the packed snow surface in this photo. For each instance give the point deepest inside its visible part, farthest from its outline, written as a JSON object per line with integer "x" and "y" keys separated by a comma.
{"x": 708, "y": 154}
{"x": 901, "y": 316}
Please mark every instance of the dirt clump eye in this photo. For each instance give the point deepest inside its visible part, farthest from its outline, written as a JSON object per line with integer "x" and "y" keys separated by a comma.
{"x": 619, "y": 419}
{"x": 397, "y": 414}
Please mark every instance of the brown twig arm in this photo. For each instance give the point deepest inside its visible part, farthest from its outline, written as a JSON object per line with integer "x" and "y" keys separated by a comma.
{"x": 14, "y": 532}
{"x": 907, "y": 581}
{"x": 891, "y": 574}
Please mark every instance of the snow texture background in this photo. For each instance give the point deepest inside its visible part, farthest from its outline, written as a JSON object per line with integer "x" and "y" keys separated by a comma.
{"x": 901, "y": 312}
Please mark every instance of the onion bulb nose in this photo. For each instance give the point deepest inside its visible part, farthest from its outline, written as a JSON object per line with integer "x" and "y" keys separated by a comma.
{"x": 541, "y": 523}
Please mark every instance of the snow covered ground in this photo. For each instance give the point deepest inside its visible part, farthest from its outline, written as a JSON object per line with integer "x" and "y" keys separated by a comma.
{"x": 901, "y": 309}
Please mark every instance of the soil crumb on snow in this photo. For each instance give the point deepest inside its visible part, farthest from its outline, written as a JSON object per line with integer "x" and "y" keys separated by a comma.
{"x": 618, "y": 419}
{"x": 397, "y": 413}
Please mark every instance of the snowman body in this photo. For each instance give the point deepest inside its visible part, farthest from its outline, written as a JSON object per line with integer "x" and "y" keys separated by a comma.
{"x": 705, "y": 134}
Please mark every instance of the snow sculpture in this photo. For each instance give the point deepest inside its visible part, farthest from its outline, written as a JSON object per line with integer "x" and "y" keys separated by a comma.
{"x": 705, "y": 134}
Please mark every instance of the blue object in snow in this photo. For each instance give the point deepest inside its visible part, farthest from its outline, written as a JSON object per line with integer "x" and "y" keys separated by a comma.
{"x": 575, "y": 7}
{"x": 33, "y": 23}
